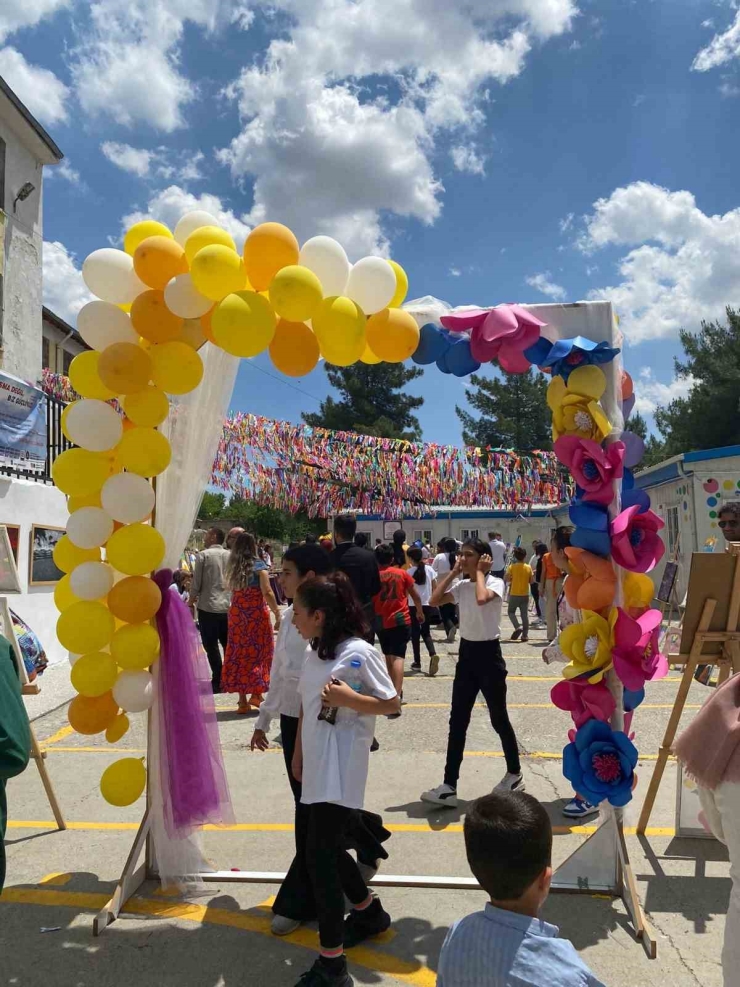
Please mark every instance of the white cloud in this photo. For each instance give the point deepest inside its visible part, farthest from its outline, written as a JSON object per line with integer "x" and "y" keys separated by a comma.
{"x": 67, "y": 172}
{"x": 455, "y": 272}
{"x": 132, "y": 159}
{"x": 651, "y": 393}
{"x": 729, "y": 89}
{"x": 42, "y": 92}
{"x": 542, "y": 282}
{"x": 721, "y": 49}
{"x": 566, "y": 222}
{"x": 466, "y": 158}
{"x": 682, "y": 266}
{"x": 64, "y": 290}
{"x": 15, "y": 14}
{"x": 169, "y": 205}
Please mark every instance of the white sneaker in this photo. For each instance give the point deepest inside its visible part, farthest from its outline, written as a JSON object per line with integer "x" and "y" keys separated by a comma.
{"x": 368, "y": 871}
{"x": 283, "y": 926}
{"x": 441, "y": 795}
{"x": 511, "y": 783}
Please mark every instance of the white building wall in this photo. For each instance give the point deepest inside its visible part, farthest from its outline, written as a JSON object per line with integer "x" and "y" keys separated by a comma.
{"x": 443, "y": 527}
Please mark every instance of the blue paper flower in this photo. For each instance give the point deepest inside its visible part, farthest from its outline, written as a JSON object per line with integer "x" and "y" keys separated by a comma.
{"x": 567, "y": 354}
{"x": 631, "y": 699}
{"x": 592, "y": 527}
{"x": 600, "y": 764}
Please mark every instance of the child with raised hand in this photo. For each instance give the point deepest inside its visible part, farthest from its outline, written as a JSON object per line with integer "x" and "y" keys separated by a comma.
{"x": 343, "y": 687}
{"x": 480, "y": 668}
{"x": 508, "y": 841}
{"x": 519, "y": 577}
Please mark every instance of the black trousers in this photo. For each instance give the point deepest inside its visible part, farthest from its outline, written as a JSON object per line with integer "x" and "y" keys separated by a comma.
{"x": 480, "y": 668}
{"x": 536, "y": 597}
{"x": 448, "y": 612}
{"x": 214, "y": 630}
{"x": 419, "y": 631}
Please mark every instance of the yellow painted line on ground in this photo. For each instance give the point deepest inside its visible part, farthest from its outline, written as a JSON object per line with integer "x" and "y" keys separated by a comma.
{"x": 110, "y": 749}
{"x": 410, "y": 973}
{"x": 542, "y": 755}
{"x": 56, "y": 737}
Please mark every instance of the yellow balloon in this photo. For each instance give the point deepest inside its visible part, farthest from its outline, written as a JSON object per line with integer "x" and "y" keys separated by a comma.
{"x": 294, "y": 349}
{"x": 67, "y": 556}
{"x": 144, "y": 451}
{"x": 78, "y": 472}
{"x": 140, "y": 231}
{"x": 158, "y": 259}
{"x": 192, "y": 333}
{"x": 392, "y": 334}
{"x": 244, "y": 323}
{"x": 295, "y": 293}
{"x": 216, "y": 271}
{"x": 94, "y": 674}
{"x": 117, "y": 729}
{"x": 63, "y": 595}
{"x": 151, "y": 318}
{"x": 402, "y": 285}
{"x": 135, "y": 600}
{"x": 92, "y": 714}
{"x": 147, "y": 408}
{"x": 125, "y": 368}
{"x": 89, "y": 500}
{"x": 206, "y": 236}
{"x": 268, "y": 248}
{"x": 123, "y": 782}
{"x": 135, "y": 646}
{"x": 176, "y": 367}
{"x": 124, "y": 306}
{"x": 134, "y": 550}
{"x": 339, "y": 324}
{"x": 369, "y": 357}
{"x": 85, "y": 379}
{"x": 85, "y": 627}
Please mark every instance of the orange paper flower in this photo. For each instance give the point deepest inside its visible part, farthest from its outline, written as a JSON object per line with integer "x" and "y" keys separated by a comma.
{"x": 592, "y": 582}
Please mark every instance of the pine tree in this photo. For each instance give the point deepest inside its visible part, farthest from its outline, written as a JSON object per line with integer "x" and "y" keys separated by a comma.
{"x": 513, "y": 412}
{"x": 373, "y": 401}
{"x": 638, "y": 425}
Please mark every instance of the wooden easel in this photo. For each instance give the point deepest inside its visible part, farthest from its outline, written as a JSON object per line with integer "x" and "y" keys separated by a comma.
{"x": 727, "y": 659}
{"x": 30, "y": 689}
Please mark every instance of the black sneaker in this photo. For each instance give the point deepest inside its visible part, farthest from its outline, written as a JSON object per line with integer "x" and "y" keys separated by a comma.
{"x": 415, "y": 666}
{"x": 370, "y": 922}
{"x": 375, "y": 746}
{"x": 327, "y": 973}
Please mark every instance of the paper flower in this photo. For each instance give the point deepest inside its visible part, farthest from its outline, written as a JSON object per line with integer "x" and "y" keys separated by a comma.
{"x": 636, "y": 544}
{"x": 632, "y": 496}
{"x": 566, "y": 355}
{"x": 504, "y": 335}
{"x": 638, "y": 591}
{"x": 637, "y": 657}
{"x": 592, "y": 582}
{"x": 583, "y": 701}
{"x": 594, "y": 469}
{"x": 588, "y": 644}
{"x": 464, "y": 319}
{"x": 600, "y": 764}
{"x": 634, "y": 449}
{"x": 575, "y": 407}
{"x": 592, "y": 527}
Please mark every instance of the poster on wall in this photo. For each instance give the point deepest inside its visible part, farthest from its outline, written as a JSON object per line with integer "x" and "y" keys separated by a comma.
{"x": 14, "y": 537}
{"x": 22, "y": 425}
{"x": 42, "y": 568}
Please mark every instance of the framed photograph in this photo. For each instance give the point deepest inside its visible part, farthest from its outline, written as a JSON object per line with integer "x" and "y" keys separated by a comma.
{"x": 41, "y": 570}
{"x": 14, "y": 537}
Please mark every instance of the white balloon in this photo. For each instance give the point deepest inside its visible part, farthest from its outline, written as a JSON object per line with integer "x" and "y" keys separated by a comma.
{"x": 92, "y": 580}
{"x": 328, "y": 261}
{"x": 89, "y": 527}
{"x": 93, "y": 425}
{"x": 192, "y": 334}
{"x": 192, "y": 221}
{"x": 72, "y": 657}
{"x": 134, "y": 691}
{"x": 182, "y": 299}
{"x": 101, "y": 323}
{"x": 127, "y": 497}
{"x": 372, "y": 284}
{"x": 110, "y": 275}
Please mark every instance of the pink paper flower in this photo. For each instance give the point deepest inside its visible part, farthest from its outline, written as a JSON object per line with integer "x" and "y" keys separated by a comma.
{"x": 583, "y": 701}
{"x": 504, "y": 335}
{"x": 636, "y": 654}
{"x": 594, "y": 468}
{"x": 636, "y": 545}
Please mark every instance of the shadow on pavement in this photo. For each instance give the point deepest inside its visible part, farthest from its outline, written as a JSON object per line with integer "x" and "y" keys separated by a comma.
{"x": 439, "y": 818}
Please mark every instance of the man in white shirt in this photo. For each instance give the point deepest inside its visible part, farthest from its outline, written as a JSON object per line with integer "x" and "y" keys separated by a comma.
{"x": 498, "y": 554}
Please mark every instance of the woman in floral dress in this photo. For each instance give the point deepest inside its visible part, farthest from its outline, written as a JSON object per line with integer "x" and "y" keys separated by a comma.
{"x": 251, "y": 640}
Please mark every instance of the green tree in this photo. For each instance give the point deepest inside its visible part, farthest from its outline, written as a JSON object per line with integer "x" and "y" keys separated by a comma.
{"x": 638, "y": 425}
{"x": 373, "y": 401}
{"x": 709, "y": 415}
{"x": 513, "y": 412}
{"x": 654, "y": 452}
{"x": 211, "y": 506}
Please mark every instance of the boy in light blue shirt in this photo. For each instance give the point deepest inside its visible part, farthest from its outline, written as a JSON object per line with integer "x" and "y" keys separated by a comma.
{"x": 508, "y": 839}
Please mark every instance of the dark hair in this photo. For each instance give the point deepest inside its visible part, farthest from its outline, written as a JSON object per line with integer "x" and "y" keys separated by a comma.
{"x": 218, "y": 535}
{"x": 450, "y": 546}
{"x": 479, "y": 546}
{"x": 520, "y": 554}
{"x": 540, "y": 550}
{"x": 310, "y": 539}
{"x": 307, "y": 558}
{"x": 344, "y": 617}
{"x": 385, "y": 555}
{"x": 508, "y": 841}
{"x": 420, "y": 575}
{"x": 399, "y": 556}
{"x": 561, "y": 536}
{"x": 731, "y": 507}
{"x": 345, "y": 525}
{"x": 378, "y": 541}
{"x": 178, "y": 578}
{"x": 361, "y": 539}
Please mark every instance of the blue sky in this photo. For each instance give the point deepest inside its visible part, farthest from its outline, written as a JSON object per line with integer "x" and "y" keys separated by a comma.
{"x": 501, "y": 150}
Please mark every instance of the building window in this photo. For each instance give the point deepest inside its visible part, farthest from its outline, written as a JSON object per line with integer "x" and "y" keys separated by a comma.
{"x": 468, "y": 533}
{"x": 671, "y": 520}
{"x": 67, "y": 358}
{"x": 424, "y": 535}
{"x": 46, "y": 354}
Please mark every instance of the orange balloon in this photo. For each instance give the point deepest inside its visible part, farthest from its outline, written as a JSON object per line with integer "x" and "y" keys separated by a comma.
{"x": 158, "y": 259}
{"x": 205, "y": 322}
{"x": 135, "y": 599}
{"x": 268, "y": 248}
{"x": 152, "y": 319}
{"x": 628, "y": 388}
{"x": 294, "y": 348}
{"x": 89, "y": 715}
{"x": 125, "y": 368}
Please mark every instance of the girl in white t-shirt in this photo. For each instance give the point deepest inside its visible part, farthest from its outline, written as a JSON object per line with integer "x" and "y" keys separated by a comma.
{"x": 424, "y": 577}
{"x": 343, "y": 687}
{"x": 480, "y": 668}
